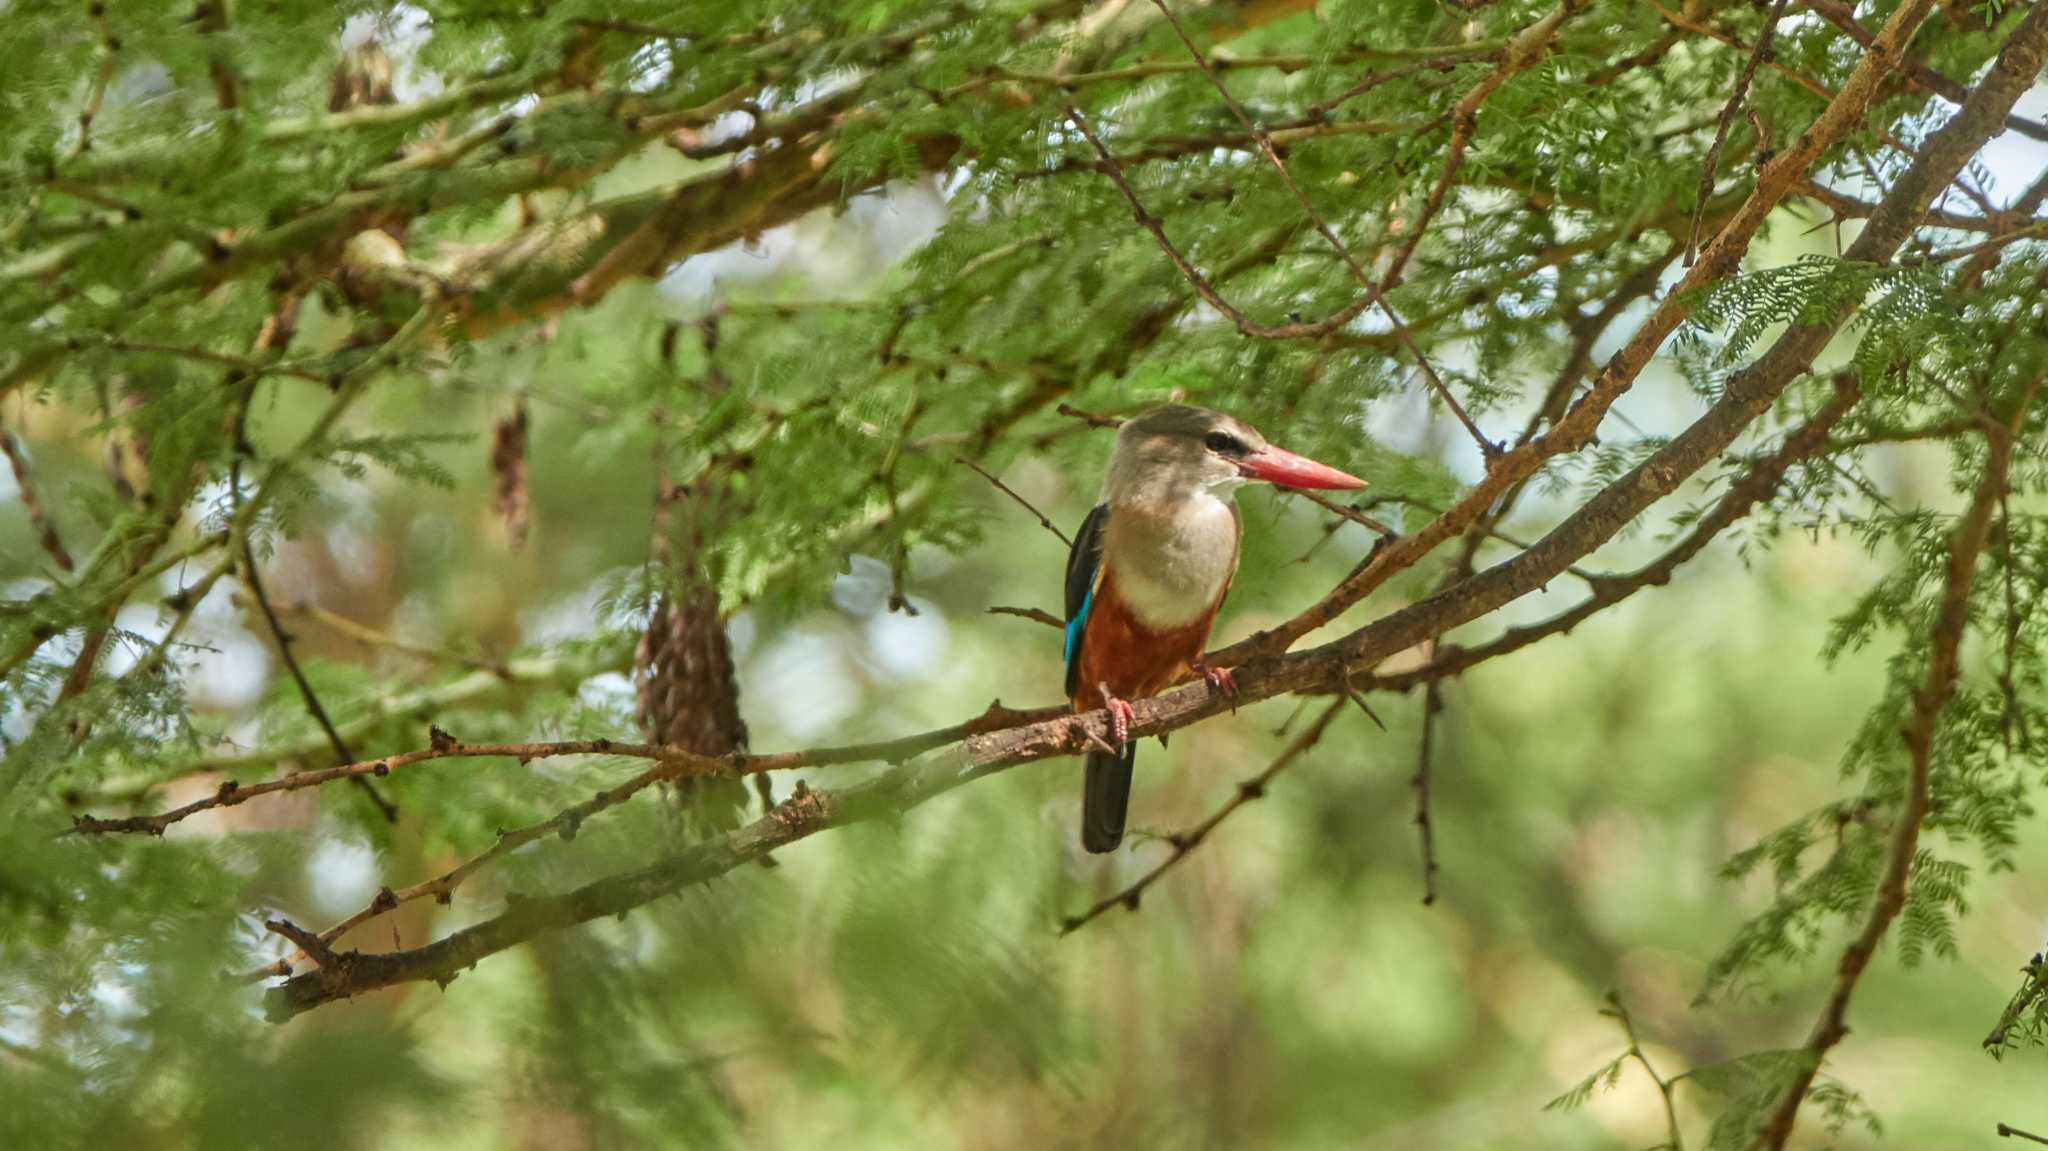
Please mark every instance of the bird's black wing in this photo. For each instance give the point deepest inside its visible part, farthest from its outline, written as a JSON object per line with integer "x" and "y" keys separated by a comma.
{"x": 1084, "y": 564}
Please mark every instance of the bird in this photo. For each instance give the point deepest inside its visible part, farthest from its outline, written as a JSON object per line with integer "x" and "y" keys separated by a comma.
{"x": 1149, "y": 568}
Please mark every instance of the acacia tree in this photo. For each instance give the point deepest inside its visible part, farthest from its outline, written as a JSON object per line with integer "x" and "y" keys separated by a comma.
{"x": 253, "y": 258}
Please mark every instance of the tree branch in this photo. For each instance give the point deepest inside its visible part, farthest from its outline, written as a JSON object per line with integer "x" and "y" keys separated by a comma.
{"x": 1843, "y": 16}
{"x": 1754, "y": 487}
{"x": 1581, "y": 421}
{"x": 1966, "y": 544}
{"x": 1036, "y": 615}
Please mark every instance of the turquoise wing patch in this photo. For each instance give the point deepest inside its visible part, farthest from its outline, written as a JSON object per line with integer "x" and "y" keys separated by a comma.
{"x": 1084, "y": 569}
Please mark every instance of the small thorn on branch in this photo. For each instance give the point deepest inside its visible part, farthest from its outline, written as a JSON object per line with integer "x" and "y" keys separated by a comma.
{"x": 1351, "y": 693}
{"x": 1101, "y": 744}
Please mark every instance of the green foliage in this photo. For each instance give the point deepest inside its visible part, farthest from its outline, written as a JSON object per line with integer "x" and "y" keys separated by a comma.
{"x": 1601, "y": 1080}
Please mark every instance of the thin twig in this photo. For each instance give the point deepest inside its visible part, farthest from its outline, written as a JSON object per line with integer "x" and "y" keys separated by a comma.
{"x": 2010, "y": 1132}
{"x": 1523, "y": 50}
{"x": 1188, "y": 272}
{"x": 250, "y": 367}
{"x": 349, "y": 629}
{"x": 201, "y": 239}
{"x": 1486, "y": 531}
{"x": 1488, "y": 449}
{"x": 314, "y": 707}
{"x": 1432, "y": 705}
{"x": 1021, "y": 501}
{"x": 1847, "y": 207}
{"x": 1184, "y": 842}
{"x": 1674, "y": 1140}
{"x": 565, "y": 823}
{"x": 1321, "y": 109}
{"x": 2034, "y": 231}
{"x": 1092, "y": 419}
{"x": 674, "y": 763}
{"x": 1713, "y": 161}
{"x": 25, "y": 491}
{"x": 1436, "y": 58}
{"x": 1038, "y": 615}
{"x": 1352, "y": 514}
{"x": 1285, "y": 134}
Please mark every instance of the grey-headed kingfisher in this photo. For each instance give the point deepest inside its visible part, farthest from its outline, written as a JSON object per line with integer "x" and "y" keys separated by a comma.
{"x": 1150, "y": 566}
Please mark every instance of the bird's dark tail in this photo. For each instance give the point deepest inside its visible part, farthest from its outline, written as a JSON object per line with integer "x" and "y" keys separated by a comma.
{"x": 1106, "y": 797}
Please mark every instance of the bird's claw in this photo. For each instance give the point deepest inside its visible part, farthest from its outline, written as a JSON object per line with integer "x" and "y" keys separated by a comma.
{"x": 1219, "y": 679}
{"x": 1121, "y": 716}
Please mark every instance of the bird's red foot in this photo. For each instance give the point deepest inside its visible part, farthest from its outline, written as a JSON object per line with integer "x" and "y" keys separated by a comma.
{"x": 1121, "y": 716}
{"x": 1218, "y": 678}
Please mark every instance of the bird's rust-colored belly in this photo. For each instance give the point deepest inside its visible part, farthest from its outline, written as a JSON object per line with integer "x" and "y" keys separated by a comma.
{"x": 1133, "y": 660}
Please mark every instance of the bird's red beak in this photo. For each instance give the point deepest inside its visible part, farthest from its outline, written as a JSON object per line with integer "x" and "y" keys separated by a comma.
{"x": 1282, "y": 467}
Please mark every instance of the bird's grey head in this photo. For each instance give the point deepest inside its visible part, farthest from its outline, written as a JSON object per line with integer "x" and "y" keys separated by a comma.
{"x": 1175, "y": 451}
{"x": 1182, "y": 447}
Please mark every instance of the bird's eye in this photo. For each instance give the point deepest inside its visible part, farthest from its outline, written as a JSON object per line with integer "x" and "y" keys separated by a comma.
{"x": 1223, "y": 443}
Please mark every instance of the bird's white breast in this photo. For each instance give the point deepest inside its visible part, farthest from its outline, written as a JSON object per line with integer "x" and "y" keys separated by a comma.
{"x": 1172, "y": 561}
